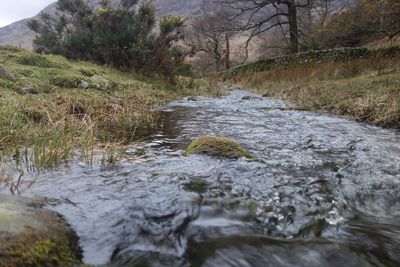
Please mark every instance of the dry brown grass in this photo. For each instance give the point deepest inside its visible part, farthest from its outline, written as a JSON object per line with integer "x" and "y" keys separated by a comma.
{"x": 366, "y": 89}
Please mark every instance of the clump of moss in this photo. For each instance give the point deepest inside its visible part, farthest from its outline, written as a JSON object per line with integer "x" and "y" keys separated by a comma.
{"x": 217, "y": 147}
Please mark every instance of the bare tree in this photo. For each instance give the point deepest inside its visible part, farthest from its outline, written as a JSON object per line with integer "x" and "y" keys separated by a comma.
{"x": 317, "y": 15}
{"x": 208, "y": 35}
{"x": 259, "y": 16}
{"x": 388, "y": 13}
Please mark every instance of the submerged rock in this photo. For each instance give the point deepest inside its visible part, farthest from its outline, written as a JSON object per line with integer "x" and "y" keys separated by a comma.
{"x": 217, "y": 147}
{"x": 30, "y": 236}
{"x": 192, "y": 98}
{"x": 249, "y": 97}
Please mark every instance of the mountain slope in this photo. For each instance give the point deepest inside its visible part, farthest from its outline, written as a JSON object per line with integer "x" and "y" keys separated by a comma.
{"x": 18, "y": 34}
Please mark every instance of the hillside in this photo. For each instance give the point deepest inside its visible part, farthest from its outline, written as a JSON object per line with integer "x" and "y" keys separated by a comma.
{"x": 19, "y": 35}
{"x": 53, "y": 105}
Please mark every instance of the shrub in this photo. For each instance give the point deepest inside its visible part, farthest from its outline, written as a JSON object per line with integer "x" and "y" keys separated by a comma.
{"x": 120, "y": 37}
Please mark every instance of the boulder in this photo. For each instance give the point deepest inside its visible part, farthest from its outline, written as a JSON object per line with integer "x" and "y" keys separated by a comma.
{"x": 99, "y": 82}
{"x": 84, "y": 84}
{"x": 192, "y": 98}
{"x": 217, "y": 147}
{"x": 30, "y": 236}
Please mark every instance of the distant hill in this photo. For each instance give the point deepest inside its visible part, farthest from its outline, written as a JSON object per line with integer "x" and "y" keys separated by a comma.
{"x": 18, "y": 34}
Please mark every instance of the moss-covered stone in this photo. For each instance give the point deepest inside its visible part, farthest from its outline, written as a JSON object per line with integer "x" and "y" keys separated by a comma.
{"x": 99, "y": 82}
{"x": 36, "y": 249}
{"x": 34, "y": 237}
{"x": 217, "y": 147}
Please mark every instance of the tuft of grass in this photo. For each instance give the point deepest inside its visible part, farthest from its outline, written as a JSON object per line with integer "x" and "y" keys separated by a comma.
{"x": 88, "y": 72}
{"x": 36, "y": 60}
{"x": 217, "y": 147}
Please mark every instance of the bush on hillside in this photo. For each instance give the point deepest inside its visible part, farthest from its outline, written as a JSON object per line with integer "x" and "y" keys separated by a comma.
{"x": 119, "y": 37}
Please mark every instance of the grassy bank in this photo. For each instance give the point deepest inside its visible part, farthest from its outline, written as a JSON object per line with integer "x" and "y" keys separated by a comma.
{"x": 367, "y": 89}
{"x": 50, "y": 106}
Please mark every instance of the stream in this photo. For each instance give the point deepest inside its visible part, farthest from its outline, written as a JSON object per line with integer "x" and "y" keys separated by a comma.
{"x": 325, "y": 191}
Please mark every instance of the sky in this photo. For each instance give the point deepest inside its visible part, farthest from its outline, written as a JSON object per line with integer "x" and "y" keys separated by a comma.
{"x": 14, "y": 10}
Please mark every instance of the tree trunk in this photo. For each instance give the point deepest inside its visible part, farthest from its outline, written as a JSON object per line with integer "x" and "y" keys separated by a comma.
{"x": 227, "y": 52}
{"x": 293, "y": 28}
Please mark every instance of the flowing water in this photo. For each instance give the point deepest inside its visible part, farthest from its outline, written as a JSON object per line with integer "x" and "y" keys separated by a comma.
{"x": 325, "y": 191}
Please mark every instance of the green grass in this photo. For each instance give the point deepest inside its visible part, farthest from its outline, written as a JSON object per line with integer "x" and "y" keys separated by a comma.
{"x": 365, "y": 89}
{"x": 45, "y": 116}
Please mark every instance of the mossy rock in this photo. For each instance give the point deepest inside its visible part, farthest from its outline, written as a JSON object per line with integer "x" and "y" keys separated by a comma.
{"x": 30, "y": 236}
{"x": 100, "y": 83}
{"x": 217, "y": 147}
{"x": 36, "y": 249}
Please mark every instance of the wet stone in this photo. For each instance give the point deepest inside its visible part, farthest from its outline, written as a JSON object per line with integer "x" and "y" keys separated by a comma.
{"x": 29, "y": 235}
